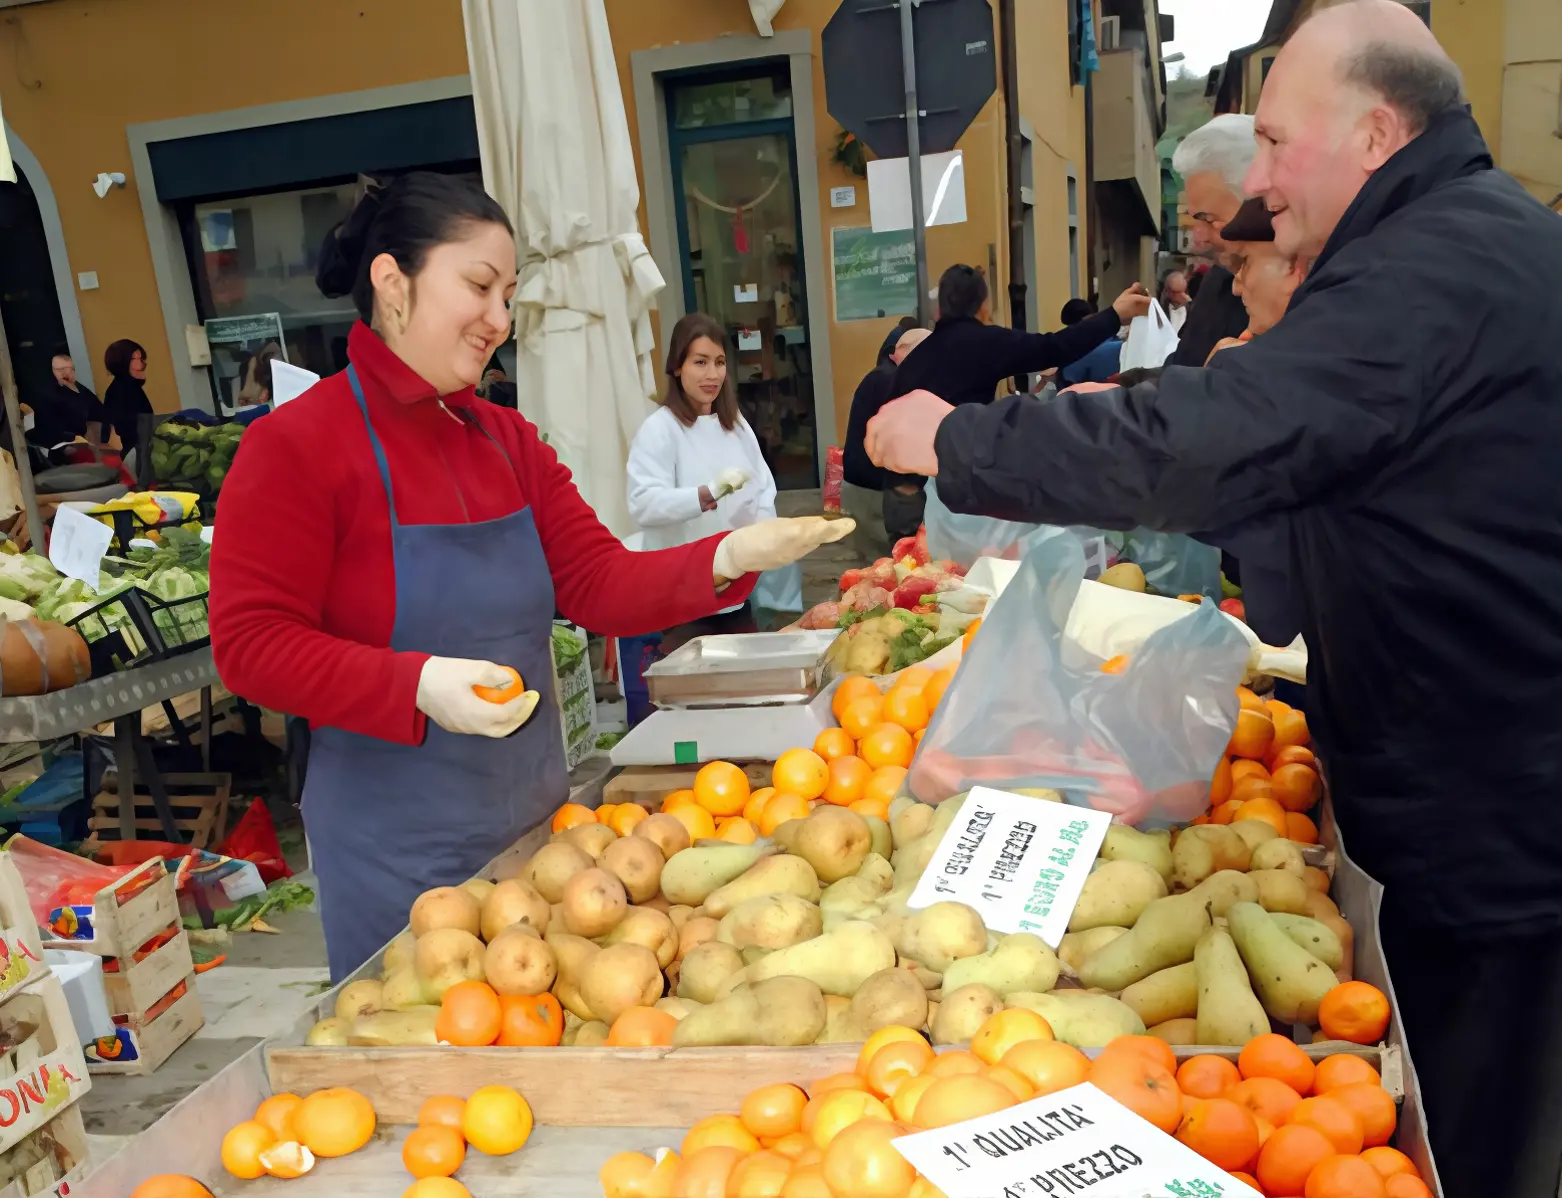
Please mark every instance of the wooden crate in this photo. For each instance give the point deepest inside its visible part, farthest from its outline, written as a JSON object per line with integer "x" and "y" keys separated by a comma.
{"x": 123, "y": 916}
{"x": 144, "y": 1040}
{"x": 135, "y": 986}
{"x": 199, "y": 803}
{"x": 62, "y": 1145}
{"x": 21, "y": 948}
{"x": 45, "y": 1070}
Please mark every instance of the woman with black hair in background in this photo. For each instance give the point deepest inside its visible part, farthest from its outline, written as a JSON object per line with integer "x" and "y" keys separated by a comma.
{"x": 125, "y": 401}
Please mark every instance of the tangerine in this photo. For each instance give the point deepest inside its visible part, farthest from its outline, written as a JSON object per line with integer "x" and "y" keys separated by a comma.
{"x": 759, "y": 1176}
{"x": 794, "y": 1146}
{"x": 171, "y": 1185}
{"x": 861, "y": 715}
{"x": 1266, "y": 810}
{"x": 1048, "y": 1065}
{"x": 833, "y": 743}
{"x": 641, "y": 1027}
{"x": 697, "y": 821}
{"x": 509, "y": 691}
{"x": 1291, "y": 755}
{"x": 851, "y": 688}
{"x": 704, "y": 1174}
{"x": 839, "y": 1110}
{"x": 1248, "y": 700}
{"x": 1371, "y": 1104}
{"x": 969, "y": 635}
{"x": 1268, "y": 1098}
{"x": 933, "y": 692}
{"x": 628, "y": 817}
{"x": 1253, "y": 735}
{"x": 957, "y": 1099}
{"x": 1301, "y": 829}
{"x": 433, "y": 1151}
{"x": 895, "y": 1063}
{"x": 1297, "y": 787}
{"x": 572, "y": 814}
{"x": 841, "y": 1081}
{"x": 1252, "y": 788}
{"x": 1354, "y": 1011}
{"x": 1011, "y": 1081}
{"x": 736, "y": 830}
{"x": 1244, "y": 768}
{"x": 635, "y": 1175}
{"x": 443, "y": 1110}
{"x": 721, "y": 788}
{"x": 907, "y": 708}
{"x": 877, "y": 808}
{"x": 1220, "y": 784}
{"x": 863, "y": 1162}
{"x": 807, "y": 1181}
{"x": 1402, "y": 1185}
{"x": 241, "y": 1149}
{"x": 1207, "y": 1076}
{"x": 1116, "y": 665}
{"x": 903, "y": 1103}
{"x": 1344, "y": 1176}
{"x": 781, "y": 808}
{"x": 755, "y": 807}
{"x": 497, "y": 1121}
{"x": 1220, "y": 1131}
{"x": 529, "y": 1021}
{"x": 774, "y": 1112}
{"x": 801, "y": 772}
{"x": 885, "y": 784}
{"x": 956, "y": 1064}
{"x": 470, "y": 1015}
{"x": 1288, "y": 1156}
{"x": 1272, "y": 1055}
{"x": 678, "y": 798}
{"x": 849, "y": 776}
{"x": 1290, "y": 729}
{"x": 1334, "y": 1119}
{"x": 1143, "y": 1086}
{"x": 1390, "y": 1162}
{"x": 335, "y": 1122}
{"x": 1226, "y": 812}
{"x": 1005, "y": 1030}
{"x": 287, "y": 1159}
{"x": 1151, "y": 1048}
{"x": 277, "y": 1114}
{"x": 885, "y": 745}
{"x": 726, "y": 1131}
{"x": 912, "y": 678}
{"x": 436, "y": 1187}
{"x": 1342, "y": 1069}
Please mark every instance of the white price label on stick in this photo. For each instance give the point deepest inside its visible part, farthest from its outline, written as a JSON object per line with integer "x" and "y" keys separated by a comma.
{"x": 1020, "y": 862}
{"x": 77, "y": 545}
{"x": 1077, "y": 1141}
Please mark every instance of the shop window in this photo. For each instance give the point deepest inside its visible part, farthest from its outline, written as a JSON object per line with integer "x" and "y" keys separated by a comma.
{"x": 733, "y": 101}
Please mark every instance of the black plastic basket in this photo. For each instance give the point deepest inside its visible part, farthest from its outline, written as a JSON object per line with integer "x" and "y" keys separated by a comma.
{"x": 165, "y": 628}
{"x": 128, "y": 525}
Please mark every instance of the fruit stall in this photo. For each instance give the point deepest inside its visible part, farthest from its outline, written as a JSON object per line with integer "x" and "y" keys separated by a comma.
{"x": 1067, "y": 846}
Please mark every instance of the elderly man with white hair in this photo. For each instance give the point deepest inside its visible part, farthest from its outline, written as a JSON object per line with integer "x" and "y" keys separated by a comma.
{"x": 1403, "y": 424}
{"x": 1212, "y": 161}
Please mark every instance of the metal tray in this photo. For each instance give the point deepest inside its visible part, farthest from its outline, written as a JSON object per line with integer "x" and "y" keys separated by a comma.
{"x": 756, "y": 667}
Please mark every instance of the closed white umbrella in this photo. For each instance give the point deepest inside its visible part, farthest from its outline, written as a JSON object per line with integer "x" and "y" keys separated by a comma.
{"x": 556, "y": 153}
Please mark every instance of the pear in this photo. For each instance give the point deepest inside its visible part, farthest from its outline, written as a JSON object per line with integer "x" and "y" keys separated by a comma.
{"x": 1229, "y": 1011}
{"x": 1317, "y": 938}
{"x": 962, "y": 1013}
{"x": 838, "y": 962}
{"x": 1081, "y": 1018}
{"x": 770, "y": 922}
{"x": 881, "y": 839}
{"x": 834, "y": 841}
{"x": 1205, "y": 849}
{"x": 691, "y": 876}
{"x": 890, "y": 998}
{"x": 769, "y": 875}
{"x": 1166, "y": 994}
{"x": 851, "y": 898}
{"x": 1225, "y": 887}
{"x": 1176, "y": 1031}
{"x": 1123, "y": 843}
{"x": 1280, "y": 890}
{"x": 1115, "y": 893}
{"x": 778, "y": 1011}
{"x": 1075, "y": 947}
{"x": 941, "y": 934}
{"x": 1165, "y": 935}
{"x": 1019, "y": 962}
{"x": 1288, "y": 979}
{"x": 1125, "y": 576}
{"x": 1279, "y": 854}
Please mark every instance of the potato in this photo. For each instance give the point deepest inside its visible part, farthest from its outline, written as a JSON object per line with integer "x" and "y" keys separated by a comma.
{"x": 1019, "y": 962}
{"x": 779, "y": 1011}
{"x": 552, "y": 866}
{"x": 962, "y": 1013}
{"x": 514, "y": 902}
{"x": 478, "y": 888}
{"x": 890, "y": 998}
{"x": 704, "y": 971}
{"x": 1115, "y": 894}
{"x": 445, "y": 907}
{"x": 594, "y": 902}
{"x": 649, "y": 929}
{"x": 939, "y": 935}
{"x": 591, "y": 1035}
{"x": 518, "y": 962}
{"x": 771, "y": 922}
{"x": 619, "y": 977}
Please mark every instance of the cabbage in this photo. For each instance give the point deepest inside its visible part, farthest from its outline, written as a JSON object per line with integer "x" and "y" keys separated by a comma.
{"x": 28, "y": 571}
{"x": 14, "y": 609}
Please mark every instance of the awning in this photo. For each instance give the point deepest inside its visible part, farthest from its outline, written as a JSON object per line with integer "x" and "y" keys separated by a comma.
{"x": 556, "y": 153}
{"x": 7, "y": 167}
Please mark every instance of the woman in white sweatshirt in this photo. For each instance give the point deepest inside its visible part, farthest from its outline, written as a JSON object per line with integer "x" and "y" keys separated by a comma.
{"x": 695, "y": 467}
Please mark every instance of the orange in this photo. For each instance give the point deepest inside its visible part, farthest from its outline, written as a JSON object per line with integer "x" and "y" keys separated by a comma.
{"x": 933, "y": 692}
{"x": 1252, "y": 788}
{"x": 1266, "y": 810}
{"x": 511, "y": 690}
{"x": 912, "y": 678}
{"x": 956, "y": 1099}
{"x": 1220, "y": 1131}
{"x": 1287, "y": 1158}
{"x": 1301, "y": 829}
{"x": 169, "y": 1185}
{"x": 721, "y": 788}
{"x": 861, "y": 715}
{"x": 1342, "y": 1069}
{"x": 1048, "y": 1065}
{"x": 1354, "y": 1011}
{"x": 895, "y": 1063}
{"x": 1272, "y": 1055}
{"x": 726, "y": 1131}
{"x": 833, "y": 743}
{"x": 497, "y": 1121}
{"x": 1344, "y": 1176}
{"x": 1226, "y": 812}
{"x": 1140, "y": 1084}
{"x": 794, "y": 1146}
{"x": 970, "y": 635}
{"x": 874, "y": 807}
{"x": 885, "y": 745}
{"x": 1247, "y": 700}
{"x": 1011, "y": 1081}
{"x": 436, "y": 1187}
{"x": 1246, "y": 1179}
{"x": 885, "y": 784}
{"x": 801, "y": 772}
{"x": 848, "y": 777}
{"x": 759, "y": 1176}
{"x": 704, "y": 1174}
{"x": 470, "y": 1015}
{"x": 1007, "y": 1029}
{"x": 334, "y": 1122}
{"x": 1253, "y": 735}
{"x": 1268, "y": 1099}
{"x": 433, "y": 1151}
{"x": 851, "y": 688}
{"x": 754, "y": 808}
{"x": 807, "y": 1181}
{"x": 737, "y": 830}
{"x": 529, "y": 1021}
{"x": 1290, "y": 728}
{"x": 1404, "y": 1186}
{"x": 1207, "y": 1076}
{"x": 1291, "y": 755}
{"x": 1371, "y": 1104}
{"x": 627, "y": 817}
{"x": 241, "y": 1149}
{"x": 1243, "y": 768}
{"x": 678, "y": 798}
{"x": 774, "y": 1111}
{"x": 287, "y": 1159}
{"x": 571, "y": 815}
{"x": 1116, "y": 665}
{"x": 1297, "y": 787}
{"x": 1390, "y": 1162}
{"x": 957, "y": 1063}
{"x": 862, "y": 1162}
{"x": 443, "y": 1110}
{"x": 781, "y": 807}
{"x": 277, "y": 1114}
{"x": 903, "y": 1103}
{"x": 635, "y": 1175}
{"x": 841, "y": 1109}
{"x": 907, "y": 708}
{"x": 697, "y": 821}
{"x": 842, "y": 1081}
{"x": 1220, "y": 784}
{"x": 923, "y": 1188}
{"x": 1151, "y": 1048}
{"x": 641, "y": 1027}
{"x": 1334, "y": 1119}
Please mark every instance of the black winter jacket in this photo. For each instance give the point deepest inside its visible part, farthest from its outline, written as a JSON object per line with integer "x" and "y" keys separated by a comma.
{"x": 1404, "y": 423}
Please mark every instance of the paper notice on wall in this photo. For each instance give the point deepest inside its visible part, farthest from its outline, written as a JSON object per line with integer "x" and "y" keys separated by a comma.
{"x": 749, "y": 340}
{"x": 1077, "y": 1141}
{"x": 289, "y": 381}
{"x": 1020, "y": 862}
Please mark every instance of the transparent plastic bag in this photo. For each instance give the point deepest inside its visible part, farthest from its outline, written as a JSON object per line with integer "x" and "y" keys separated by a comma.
{"x": 964, "y": 539}
{"x": 1173, "y": 564}
{"x": 1031, "y": 709}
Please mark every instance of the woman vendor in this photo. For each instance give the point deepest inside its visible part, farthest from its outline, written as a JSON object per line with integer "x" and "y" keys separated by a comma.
{"x": 389, "y": 543}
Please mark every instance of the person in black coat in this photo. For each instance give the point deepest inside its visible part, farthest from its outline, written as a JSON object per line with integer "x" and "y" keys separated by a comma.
{"x": 125, "y": 400}
{"x": 862, "y": 483}
{"x": 1406, "y": 435}
{"x": 69, "y": 411}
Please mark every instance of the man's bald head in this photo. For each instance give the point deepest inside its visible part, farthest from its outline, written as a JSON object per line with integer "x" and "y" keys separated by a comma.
{"x": 909, "y": 340}
{"x": 1355, "y": 84}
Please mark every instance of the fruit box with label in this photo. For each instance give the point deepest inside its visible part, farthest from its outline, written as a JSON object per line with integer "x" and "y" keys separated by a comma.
{"x": 21, "y": 949}
{"x": 143, "y": 1040}
{"x": 47, "y": 1161}
{"x": 136, "y": 983}
{"x": 42, "y": 1066}
{"x": 121, "y": 917}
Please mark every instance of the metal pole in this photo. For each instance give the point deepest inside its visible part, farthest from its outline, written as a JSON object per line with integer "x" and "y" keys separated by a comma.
{"x": 908, "y": 48}
{"x": 24, "y": 466}
{"x": 1011, "y": 120}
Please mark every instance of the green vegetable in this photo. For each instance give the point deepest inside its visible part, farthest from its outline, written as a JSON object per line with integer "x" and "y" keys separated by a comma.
{"x": 286, "y": 894}
{"x": 568, "y": 649}
{"x": 849, "y": 618}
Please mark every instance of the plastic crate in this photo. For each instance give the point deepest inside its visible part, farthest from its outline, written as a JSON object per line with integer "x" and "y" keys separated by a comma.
{"x": 128, "y": 525}
{"x": 162, "y": 629}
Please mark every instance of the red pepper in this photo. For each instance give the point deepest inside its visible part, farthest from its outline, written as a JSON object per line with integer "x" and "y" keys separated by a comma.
{"x": 1234, "y": 607}
{"x": 911, "y": 592}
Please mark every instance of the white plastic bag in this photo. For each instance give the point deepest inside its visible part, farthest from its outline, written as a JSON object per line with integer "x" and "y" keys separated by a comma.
{"x": 1151, "y": 340}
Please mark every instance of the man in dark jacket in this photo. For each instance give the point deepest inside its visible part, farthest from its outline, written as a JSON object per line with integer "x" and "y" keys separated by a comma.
{"x": 1408, "y": 436}
{"x": 1212, "y": 161}
{"x": 862, "y": 483}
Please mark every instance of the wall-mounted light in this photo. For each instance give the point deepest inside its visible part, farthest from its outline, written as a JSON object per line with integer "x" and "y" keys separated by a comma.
{"x": 107, "y": 181}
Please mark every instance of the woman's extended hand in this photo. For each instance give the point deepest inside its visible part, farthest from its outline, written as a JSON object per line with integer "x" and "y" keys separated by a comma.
{"x": 446, "y": 696}
{"x": 772, "y": 544}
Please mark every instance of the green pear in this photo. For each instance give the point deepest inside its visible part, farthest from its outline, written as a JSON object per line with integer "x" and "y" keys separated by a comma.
{"x": 1282, "y": 891}
{"x": 1076, "y": 947}
{"x": 1205, "y": 849}
{"x": 1116, "y": 893}
{"x": 1019, "y": 962}
{"x": 770, "y": 922}
{"x": 1123, "y": 843}
{"x": 1166, "y": 994}
{"x": 1317, "y": 938}
{"x": 837, "y": 962}
{"x": 780, "y": 1011}
{"x": 691, "y": 876}
{"x": 1278, "y": 854}
{"x": 1225, "y": 887}
{"x": 851, "y": 898}
{"x": 1165, "y": 935}
{"x": 1228, "y": 1010}
{"x": 1288, "y": 979}
{"x": 769, "y": 875}
{"x": 941, "y": 934}
{"x": 1081, "y": 1018}
{"x": 834, "y": 841}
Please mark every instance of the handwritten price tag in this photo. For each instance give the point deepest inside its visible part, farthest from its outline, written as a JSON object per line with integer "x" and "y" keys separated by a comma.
{"x": 77, "y": 545}
{"x": 1077, "y": 1141}
{"x": 1020, "y": 862}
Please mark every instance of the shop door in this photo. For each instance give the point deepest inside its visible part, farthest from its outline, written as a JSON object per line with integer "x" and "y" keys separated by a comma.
{"x": 28, "y": 301}
{"x": 734, "y": 169}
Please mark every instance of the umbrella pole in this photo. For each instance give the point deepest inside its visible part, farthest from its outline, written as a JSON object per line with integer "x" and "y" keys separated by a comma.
{"x": 24, "y": 466}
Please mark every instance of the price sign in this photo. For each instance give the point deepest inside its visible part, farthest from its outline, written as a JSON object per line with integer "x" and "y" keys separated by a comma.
{"x": 1077, "y": 1141}
{"x": 77, "y": 545}
{"x": 1020, "y": 862}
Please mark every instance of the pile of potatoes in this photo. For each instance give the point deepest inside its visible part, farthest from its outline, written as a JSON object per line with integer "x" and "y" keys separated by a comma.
{"x": 807, "y": 938}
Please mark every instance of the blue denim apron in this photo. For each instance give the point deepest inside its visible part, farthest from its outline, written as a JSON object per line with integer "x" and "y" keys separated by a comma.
{"x": 387, "y": 821}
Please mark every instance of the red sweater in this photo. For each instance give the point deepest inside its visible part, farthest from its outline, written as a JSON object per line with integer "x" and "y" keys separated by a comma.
{"x": 303, "y": 586}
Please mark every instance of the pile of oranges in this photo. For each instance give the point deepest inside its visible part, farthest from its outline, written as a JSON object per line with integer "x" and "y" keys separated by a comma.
{"x": 475, "y": 1015}
{"x": 1268, "y": 773}
{"x": 288, "y": 1134}
{"x": 496, "y": 1121}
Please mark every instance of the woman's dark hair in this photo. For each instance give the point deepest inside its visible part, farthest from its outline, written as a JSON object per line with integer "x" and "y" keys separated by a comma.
{"x": 685, "y": 333}
{"x": 961, "y": 292}
{"x": 1075, "y": 310}
{"x": 116, "y": 358}
{"x": 405, "y": 218}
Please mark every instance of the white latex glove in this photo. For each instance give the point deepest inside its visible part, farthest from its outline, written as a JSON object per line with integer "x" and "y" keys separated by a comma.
{"x": 772, "y": 544}
{"x": 727, "y": 481}
{"x": 445, "y": 695}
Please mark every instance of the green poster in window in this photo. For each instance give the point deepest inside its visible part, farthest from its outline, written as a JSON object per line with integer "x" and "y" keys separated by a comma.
{"x": 875, "y": 273}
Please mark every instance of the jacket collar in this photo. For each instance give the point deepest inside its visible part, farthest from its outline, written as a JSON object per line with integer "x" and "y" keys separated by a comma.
{"x": 1451, "y": 148}
{"x": 390, "y": 376}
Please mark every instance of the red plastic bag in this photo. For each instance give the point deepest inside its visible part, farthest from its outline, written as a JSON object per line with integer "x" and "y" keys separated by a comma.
{"x": 834, "y": 473}
{"x": 254, "y": 838}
